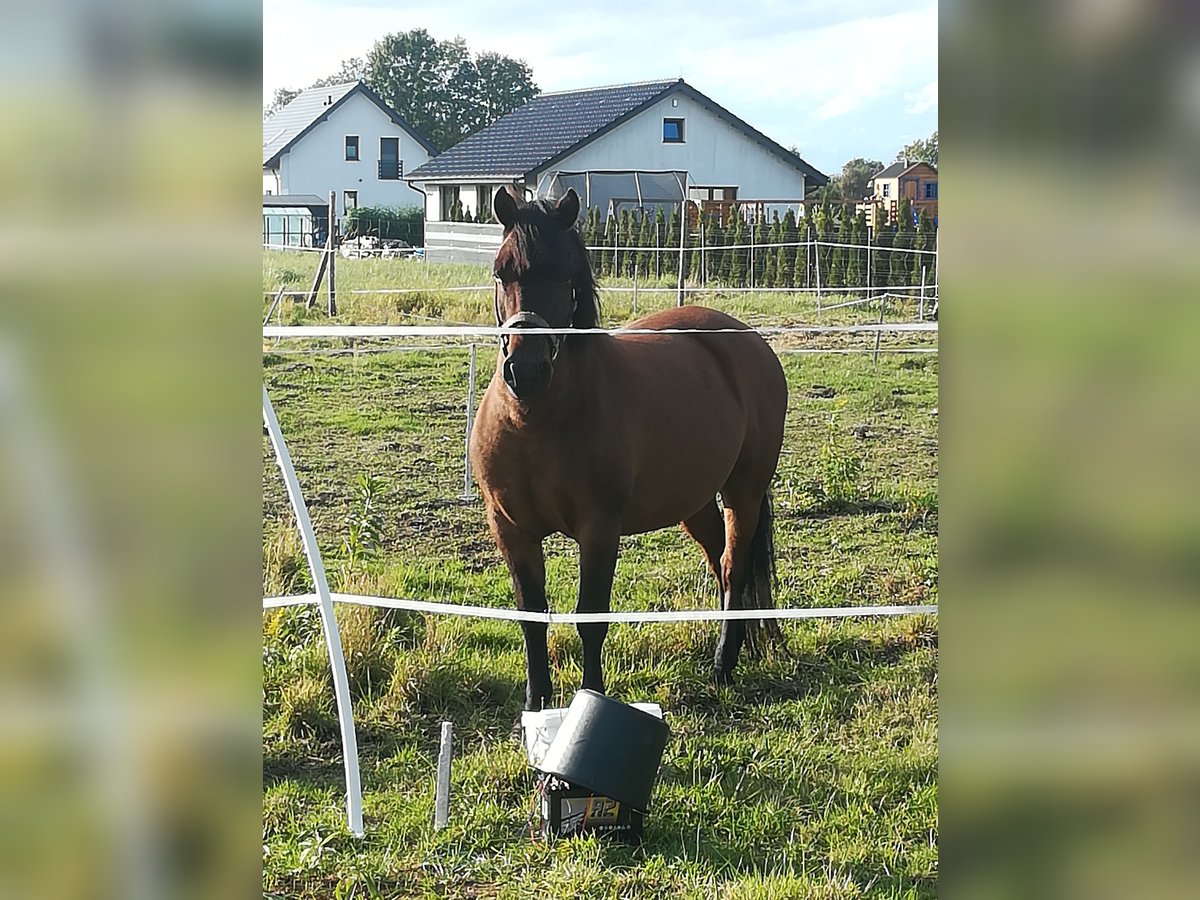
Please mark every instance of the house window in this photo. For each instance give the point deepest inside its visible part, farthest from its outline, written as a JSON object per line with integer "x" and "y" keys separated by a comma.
{"x": 390, "y": 165}
{"x": 351, "y": 201}
{"x": 483, "y": 205}
{"x": 672, "y": 131}
{"x": 451, "y": 208}
{"x": 887, "y": 189}
{"x": 352, "y": 147}
{"x": 931, "y": 190}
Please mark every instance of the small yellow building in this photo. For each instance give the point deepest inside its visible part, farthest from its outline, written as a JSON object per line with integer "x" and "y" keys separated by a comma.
{"x": 918, "y": 181}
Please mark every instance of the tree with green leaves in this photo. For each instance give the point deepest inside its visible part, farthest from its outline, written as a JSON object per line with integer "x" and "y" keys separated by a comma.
{"x": 624, "y": 258}
{"x": 759, "y": 235}
{"x": 283, "y": 96}
{"x": 852, "y": 182}
{"x": 438, "y": 86}
{"x": 605, "y": 257}
{"x": 925, "y": 240}
{"x": 856, "y": 260}
{"x": 921, "y": 150}
{"x": 839, "y": 265}
{"x": 645, "y": 240}
{"x": 670, "y": 266}
{"x": 658, "y": 241}
{"x": 737, "y": 255}
{"x": 790, "y": 236}
{"x": 771, "y": 275}
{"x": 823, "y": 220}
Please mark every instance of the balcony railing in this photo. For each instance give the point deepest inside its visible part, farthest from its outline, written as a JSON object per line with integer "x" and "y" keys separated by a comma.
{"x": 391, "y": 169}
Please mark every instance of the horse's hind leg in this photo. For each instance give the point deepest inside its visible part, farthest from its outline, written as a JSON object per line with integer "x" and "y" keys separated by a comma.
{"x": 741, "y": 522}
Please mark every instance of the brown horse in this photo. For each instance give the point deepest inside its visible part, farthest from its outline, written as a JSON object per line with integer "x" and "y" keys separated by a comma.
{"x": 596, "y": 436}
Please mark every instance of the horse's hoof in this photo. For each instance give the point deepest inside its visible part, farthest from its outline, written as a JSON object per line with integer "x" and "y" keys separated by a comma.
{"x": 720, "y": 676}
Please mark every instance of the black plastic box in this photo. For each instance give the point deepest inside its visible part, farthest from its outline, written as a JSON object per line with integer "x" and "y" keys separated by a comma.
{"x": 568, "y": 810}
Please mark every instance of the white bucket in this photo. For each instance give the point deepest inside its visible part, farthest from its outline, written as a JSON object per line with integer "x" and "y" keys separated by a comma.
{"x": 539, "y": 728}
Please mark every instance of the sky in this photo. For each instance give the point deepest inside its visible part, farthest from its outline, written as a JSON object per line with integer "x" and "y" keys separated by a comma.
{"x": 836, "y": 80}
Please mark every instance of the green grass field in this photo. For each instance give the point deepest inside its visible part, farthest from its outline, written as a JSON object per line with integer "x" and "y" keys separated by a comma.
{"x": 814, "y": 776}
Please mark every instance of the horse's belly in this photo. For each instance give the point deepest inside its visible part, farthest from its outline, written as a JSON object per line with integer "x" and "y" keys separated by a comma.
{"x": 676, "y": 487}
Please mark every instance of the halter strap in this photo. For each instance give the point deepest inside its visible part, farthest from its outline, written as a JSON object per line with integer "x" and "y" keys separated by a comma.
{"x": 529, "y": 320}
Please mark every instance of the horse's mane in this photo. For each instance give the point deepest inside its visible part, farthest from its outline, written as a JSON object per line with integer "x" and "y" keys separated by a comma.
{"x": 538, "y": 242}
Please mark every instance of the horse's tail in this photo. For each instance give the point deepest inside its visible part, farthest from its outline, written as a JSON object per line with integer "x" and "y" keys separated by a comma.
{"x": 762, "y": 633}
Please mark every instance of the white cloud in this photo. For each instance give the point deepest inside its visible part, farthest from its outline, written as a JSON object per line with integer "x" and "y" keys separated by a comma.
{"x": 805, "y": 72}
{"x": 923, "y": 100}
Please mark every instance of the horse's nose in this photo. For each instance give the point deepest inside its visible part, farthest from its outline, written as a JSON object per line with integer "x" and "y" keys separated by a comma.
{"x": 525, "y": 378}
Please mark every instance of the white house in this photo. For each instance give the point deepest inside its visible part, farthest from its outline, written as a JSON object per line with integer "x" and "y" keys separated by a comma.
{"x": 346, "y": 139}
{"x": 655, "y": 126}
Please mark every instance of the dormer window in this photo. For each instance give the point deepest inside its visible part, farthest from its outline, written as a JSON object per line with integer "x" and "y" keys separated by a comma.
{"x": 672, "y": 131}
{"x": 352, "y": 148}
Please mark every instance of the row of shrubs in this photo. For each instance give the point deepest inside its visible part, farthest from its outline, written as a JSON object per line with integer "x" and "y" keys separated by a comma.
{"x": 770, "y": 264}
{"x": 656, "y": 238}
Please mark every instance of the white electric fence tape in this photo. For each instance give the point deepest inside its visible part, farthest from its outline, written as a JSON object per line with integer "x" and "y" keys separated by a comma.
{"x": 641, "y": 616}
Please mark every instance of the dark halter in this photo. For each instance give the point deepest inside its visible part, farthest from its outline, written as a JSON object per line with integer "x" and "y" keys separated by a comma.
{"x": 529, "y": 320}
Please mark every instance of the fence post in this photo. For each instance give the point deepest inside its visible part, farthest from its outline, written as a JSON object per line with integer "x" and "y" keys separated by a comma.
{"x": 441, "y": 804}
{"x": 879, "y": 334}
{"x": 817, "y": 257}
{"x": 703, "y": 259}
{"x": 921, "y": 313}
{"x": 278, "y": 298}
{"x": 657, "y": 264}
{"x": 331, "y": 252}
{"x": 870, "y": 283}
{"x": 682, "y": 243}
{"x": 750, "y": 232}
{"x": 333, "y": 641}
{"x": 468, "y": 492}
{"x": 635, "y": 277}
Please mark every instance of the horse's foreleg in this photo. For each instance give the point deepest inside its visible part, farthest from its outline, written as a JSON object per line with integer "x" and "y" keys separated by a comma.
{"x": 526, "y": 563}
{"x": 597, "y": 563}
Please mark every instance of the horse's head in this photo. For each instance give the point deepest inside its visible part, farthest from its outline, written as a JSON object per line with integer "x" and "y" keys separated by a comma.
{"x": 543, "y": 280}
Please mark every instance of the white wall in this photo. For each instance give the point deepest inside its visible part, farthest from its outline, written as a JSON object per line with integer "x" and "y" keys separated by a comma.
{"x": 470, "y": 194}
{"x": 317, "y": 163}
{"x": 713, "y": 152}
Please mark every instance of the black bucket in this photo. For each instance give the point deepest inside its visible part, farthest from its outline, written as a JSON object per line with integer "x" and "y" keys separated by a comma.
{"x": 608, "y": 747}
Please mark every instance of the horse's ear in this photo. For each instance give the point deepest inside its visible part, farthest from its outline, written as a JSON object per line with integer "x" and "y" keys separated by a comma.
{"x": 504, "y": 206}
{"x": 567, "y": 208}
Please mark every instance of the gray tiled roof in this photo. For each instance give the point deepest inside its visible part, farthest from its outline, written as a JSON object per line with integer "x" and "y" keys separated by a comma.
{"x": 540, "y": 130}
{"x": 550, "y": 126}
{"x": 893, "y": 171}
{"x": 310, "y": 106}
{"x": 896, "y": 169}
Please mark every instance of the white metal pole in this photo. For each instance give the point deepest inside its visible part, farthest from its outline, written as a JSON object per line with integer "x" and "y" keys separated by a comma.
{"x": 441, "y": 796}
{"x": 870, "y": 284}
{"x": 683, "y": 230}
{"x": 333, "y": 640}
{"x": 921, "y": 313}
{"x": 817, "y": 259}
{"x": 635, "y": 280}
{"x": 468, "y": 492}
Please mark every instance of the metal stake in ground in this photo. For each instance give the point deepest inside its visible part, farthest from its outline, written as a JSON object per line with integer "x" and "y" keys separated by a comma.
{"x": 441, "y": 804}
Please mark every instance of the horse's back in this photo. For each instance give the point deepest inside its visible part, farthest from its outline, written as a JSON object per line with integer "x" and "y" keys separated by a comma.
{"x": 704, "y": 406}
{"x": 746, "y": 360}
